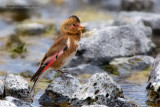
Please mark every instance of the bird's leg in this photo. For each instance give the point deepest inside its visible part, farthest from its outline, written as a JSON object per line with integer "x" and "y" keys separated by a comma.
{"x": 64, "y": 71}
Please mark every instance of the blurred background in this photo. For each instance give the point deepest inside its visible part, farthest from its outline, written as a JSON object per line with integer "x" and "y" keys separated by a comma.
{"x": 29, "y": 27}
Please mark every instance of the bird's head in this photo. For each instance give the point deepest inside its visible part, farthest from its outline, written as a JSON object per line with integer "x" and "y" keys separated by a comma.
{"x": 71, "y": 26}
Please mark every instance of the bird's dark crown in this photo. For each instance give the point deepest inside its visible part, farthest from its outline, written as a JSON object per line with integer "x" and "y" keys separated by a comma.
{"x": 74, "y": 16}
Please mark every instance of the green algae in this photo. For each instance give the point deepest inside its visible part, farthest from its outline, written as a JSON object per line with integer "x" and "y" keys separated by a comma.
{"x": 111, "y": 69}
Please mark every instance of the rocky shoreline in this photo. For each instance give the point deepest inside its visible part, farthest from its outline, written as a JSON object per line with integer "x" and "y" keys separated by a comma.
{"x": 117, "y": 43}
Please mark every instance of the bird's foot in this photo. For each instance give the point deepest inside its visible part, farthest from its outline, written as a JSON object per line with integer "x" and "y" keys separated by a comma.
{"x": 63, "y": 74}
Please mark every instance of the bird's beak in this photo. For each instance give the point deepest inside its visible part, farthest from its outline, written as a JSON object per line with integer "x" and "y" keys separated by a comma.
{"x": 80, "y": 28}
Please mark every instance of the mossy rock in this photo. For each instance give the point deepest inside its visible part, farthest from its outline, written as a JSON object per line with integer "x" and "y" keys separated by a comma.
{"x": 111, "y": 69}
{"x": 15, "y": 45}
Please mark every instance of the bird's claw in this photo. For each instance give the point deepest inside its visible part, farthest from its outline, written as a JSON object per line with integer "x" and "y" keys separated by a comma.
{"x": 63, "y": 74}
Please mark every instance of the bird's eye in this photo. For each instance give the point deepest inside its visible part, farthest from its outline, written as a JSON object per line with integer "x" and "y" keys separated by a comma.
{"x": 74, "y": 25}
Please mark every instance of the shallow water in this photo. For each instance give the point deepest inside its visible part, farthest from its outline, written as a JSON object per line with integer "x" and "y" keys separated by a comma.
{"x": 135, "y": 92}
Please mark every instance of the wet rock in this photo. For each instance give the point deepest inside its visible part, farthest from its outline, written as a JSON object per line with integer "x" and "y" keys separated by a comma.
{"x": 60, "y": 90}
{"x": 104, "y": 44}
{"x": 16, "y": 86}
{"x": 153, "y": 86}
{"x": 4, "y": 103}
{"x": 137, "y": 5}
{"x": 17, "y": 102}
{"x": 148, "y": 19}
{"x": 121, "y": 102}
{"x": 100, "y": 89}
{"x": 35, "y": 27}
{"x": 1, "y": 89}
{"x": 128, "y": 65}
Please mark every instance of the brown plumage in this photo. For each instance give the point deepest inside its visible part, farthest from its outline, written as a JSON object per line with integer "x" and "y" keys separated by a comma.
{"x": 62, "y": 50}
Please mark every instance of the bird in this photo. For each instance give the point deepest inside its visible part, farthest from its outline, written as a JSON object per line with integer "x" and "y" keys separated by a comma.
{"x": 62, "y": 50}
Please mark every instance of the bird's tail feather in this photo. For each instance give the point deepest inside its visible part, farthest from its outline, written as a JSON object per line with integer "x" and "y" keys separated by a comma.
{"x": 37, "y": 77}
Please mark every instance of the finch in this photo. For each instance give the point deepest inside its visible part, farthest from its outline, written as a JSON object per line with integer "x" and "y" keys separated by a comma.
{"x": 62, "y": 50}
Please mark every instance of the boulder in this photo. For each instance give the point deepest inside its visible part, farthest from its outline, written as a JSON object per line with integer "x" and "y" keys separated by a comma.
{"x": 128, "y": 65}
{"x": 148, "y": 19}
{"x": 99, "y": 90}
{"x": 137, "y": 5}
{"x": 16, "y": 86}
{"x": 110, "y": 42}
{"x": 4, "y": 103}
{"x": 60, "y": 90}
{"x": 153, "y": 86}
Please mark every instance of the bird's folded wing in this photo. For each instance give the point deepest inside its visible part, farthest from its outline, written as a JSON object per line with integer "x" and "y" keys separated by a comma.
{"x": 56, "y": 50}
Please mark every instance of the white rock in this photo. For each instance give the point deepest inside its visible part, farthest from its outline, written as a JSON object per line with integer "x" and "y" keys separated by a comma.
{"x": 16, "y": 86}
{"x": 4, "y": 103}
{"x": 99, "y": 89}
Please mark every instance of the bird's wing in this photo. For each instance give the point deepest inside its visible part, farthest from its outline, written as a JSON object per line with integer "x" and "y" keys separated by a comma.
{"x": 56, "y": 50}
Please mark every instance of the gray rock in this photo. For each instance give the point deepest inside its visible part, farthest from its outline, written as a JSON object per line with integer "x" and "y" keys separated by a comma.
{"x": 153, "y": 86}
{"x": 1, "y": 89}
{"x": 17, "y": 102}
{"x": 34, "y": 27}
{"x": 84, "y": 69}
{"x": 149, "y": 19}
{"x": 60, "y": 90}
{"x": 137, "y": 5}
{"x": 16, "y": 86}
{"x": 100, "y": 89}
{"x": 128, "y": 65}
{"x": 4, "y": 103}
{"x": 105, "y": 44}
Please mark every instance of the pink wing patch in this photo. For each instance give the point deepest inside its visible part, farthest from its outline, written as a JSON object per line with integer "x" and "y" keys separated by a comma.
{"x": 52, "y": 59}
